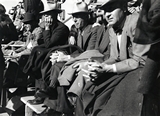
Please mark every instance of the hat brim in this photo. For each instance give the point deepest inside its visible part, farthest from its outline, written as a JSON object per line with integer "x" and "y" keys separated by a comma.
{"x": 110, "y": 2}
{"x": 78, "y": 13}
{"x": 56, "y": 10}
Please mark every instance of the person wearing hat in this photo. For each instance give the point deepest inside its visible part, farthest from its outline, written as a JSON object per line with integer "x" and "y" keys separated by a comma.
{"x": 55, "y": 33}
{"x": 7, "y": 31}
{"x": 32, "y": 34}
{"x": 112, "y": 86}
{"x": 85, "y": 41}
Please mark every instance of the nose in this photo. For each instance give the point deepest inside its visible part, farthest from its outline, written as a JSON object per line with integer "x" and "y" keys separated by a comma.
{"x": 107, "y": 15}
{"x": 75, "y": 19}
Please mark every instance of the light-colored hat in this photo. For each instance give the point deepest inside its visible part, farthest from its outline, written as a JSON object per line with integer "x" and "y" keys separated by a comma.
{"x": 79, "y": 7}
{"x": 50, "y": 5}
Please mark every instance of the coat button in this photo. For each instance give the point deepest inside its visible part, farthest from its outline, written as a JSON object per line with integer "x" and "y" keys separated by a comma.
{"x": 140, "y": 104}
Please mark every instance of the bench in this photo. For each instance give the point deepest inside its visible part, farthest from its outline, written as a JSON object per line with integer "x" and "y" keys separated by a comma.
{"x": 29, "y": 108}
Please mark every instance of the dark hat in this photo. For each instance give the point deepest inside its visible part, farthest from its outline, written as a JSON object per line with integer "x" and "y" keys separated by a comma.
{"x": 113, "y": 3}
{"x": 28, "y": 17}
{"x": 2, "y": 9}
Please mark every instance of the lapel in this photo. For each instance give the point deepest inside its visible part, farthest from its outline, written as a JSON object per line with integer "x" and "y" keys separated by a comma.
{"x": 123, "y": 46}
{"x": 113, "y": 41}
{"x": 86, "y": 33}
{"x": 99, "y": 36}
{"x": 105, "y": 41}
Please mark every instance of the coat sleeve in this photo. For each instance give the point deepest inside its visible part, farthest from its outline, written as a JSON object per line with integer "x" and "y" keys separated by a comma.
{"x": 138, "y": 52}
{"x": 59, "y": 36}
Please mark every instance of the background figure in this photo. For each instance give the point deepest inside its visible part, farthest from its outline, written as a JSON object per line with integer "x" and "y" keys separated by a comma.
{"x": 55, "y": 33}
{"x": 7, "y": 30}
{"x": 148, "y": 29}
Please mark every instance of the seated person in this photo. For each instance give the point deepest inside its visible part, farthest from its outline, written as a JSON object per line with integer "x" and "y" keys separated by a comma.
{"x": 88, "y": 38}
{"x": 57, "y": 93}
{"x": 112, "y": 86}
{"x": 33, "y": 33}
{"x": 19, "y": 55}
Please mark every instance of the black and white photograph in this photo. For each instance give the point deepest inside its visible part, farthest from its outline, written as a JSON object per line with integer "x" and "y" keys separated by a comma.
{"x": 80, "y": 58}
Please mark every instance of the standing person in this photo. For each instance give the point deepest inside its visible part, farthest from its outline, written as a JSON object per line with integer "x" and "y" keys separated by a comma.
{"x": 55, "y": 34}
{"x": 7, "y": 30}
{"x": 112, "y": 86}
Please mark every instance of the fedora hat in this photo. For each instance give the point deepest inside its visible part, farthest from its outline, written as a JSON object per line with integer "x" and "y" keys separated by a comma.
{"x": 79, "y": 7}
{"x": 28, "y": 17}
{"x": 104, "y": 3}
{"x": 51, "y": 5}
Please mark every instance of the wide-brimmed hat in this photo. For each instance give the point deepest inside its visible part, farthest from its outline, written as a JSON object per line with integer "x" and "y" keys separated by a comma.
{"x": 50, "y": 5}
{"x": 79, "y": 7}
{"x": 28, "y": 17}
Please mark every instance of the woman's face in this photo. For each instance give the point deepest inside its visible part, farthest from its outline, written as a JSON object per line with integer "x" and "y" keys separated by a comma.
{"x": 114, "y": 16}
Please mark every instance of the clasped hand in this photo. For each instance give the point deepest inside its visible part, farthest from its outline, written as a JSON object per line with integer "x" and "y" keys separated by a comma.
{"x": 95, "y": 70}
{"x": 58, "y": 56}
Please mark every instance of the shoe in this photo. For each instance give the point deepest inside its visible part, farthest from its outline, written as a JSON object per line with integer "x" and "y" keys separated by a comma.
{"x": 49, "y": 92}
{"x": 36, "y": 101}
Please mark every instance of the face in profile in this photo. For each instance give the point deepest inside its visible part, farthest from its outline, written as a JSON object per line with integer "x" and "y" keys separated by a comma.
{"x": 79, "y": 20}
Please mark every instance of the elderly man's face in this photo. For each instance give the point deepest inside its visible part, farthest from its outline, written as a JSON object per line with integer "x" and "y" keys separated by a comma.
{"x": 114, "y": 16}
{"x": 79, "y": 20}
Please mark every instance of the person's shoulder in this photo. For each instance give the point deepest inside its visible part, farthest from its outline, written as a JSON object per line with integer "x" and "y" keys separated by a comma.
{"x": 61, "y": 25}
{"x": 133, "y": 18}
{"x": 131, "y": 21}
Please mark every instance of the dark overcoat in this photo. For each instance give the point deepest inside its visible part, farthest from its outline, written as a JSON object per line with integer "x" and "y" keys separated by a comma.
{"x": 147, "y": 32}
{"x": 58, "y": 35}
{"x": 89, "y": 38}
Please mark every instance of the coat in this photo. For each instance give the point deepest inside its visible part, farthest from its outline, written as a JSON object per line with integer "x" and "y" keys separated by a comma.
{"x": 148, "y": 33}
{"x": 58, "y": 35}
{"x": 130, "y": 57}
{"x": 103, "y": 42}
{"x": 89, "y": 38}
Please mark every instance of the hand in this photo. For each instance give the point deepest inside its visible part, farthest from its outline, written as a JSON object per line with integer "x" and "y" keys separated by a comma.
{"x": 72, "y": 40}
{"x": 48, "y": 22}
{"x": 62, "y": 57}
{"x": 131, "y": 9}
{"x": 96, "y": 69}
{"x": 59, "y": 56}
{"x": 54, "y": 57}
{"x": 80, "y": 66}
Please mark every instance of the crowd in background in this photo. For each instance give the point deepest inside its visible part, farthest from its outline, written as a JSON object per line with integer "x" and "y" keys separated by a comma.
{"x": 106, "y": 64}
